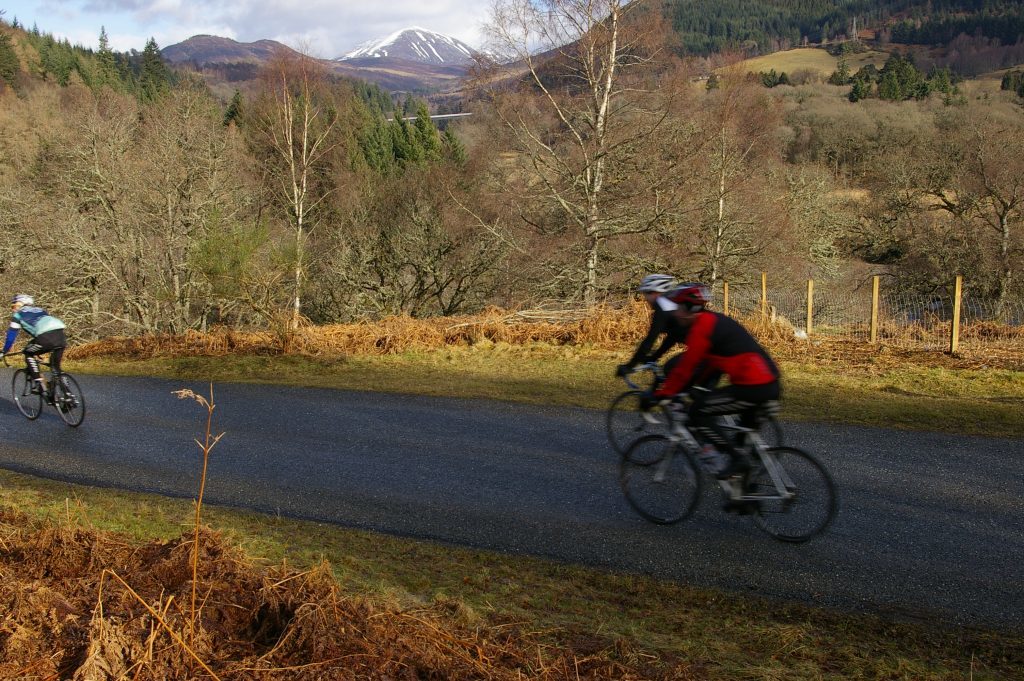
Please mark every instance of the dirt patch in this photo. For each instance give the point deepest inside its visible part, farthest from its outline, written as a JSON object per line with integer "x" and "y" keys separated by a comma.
{"x": 86, "y": 605}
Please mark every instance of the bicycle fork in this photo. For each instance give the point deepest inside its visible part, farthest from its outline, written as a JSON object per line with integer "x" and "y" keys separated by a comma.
{"x": 679, "y": 437}
{"x": 780, "y": 479}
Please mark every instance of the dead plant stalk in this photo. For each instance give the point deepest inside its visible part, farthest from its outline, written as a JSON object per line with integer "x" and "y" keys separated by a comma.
{"x": 206, "y": 446}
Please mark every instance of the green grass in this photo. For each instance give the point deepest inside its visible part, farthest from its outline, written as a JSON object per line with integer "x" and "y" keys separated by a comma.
{"x": 977, "y": 402}
{"x": 709, "y": 634}
{"x": 814, "y": 59}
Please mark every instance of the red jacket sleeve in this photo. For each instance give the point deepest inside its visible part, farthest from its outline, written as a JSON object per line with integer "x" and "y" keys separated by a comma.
{"x": 698, "y": 342}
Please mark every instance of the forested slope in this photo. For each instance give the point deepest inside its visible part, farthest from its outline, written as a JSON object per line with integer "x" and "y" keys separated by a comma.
{"x": 707, "y": 26}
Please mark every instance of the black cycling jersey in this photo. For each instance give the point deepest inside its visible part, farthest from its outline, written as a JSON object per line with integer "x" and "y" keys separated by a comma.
{"x": 662, "y": 322}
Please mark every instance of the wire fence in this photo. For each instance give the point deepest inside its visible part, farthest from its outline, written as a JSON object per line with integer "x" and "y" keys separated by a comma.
{"x": 903, "y": 320}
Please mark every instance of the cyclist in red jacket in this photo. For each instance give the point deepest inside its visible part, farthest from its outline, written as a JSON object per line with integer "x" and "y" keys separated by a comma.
{"x": 717, "y": 343}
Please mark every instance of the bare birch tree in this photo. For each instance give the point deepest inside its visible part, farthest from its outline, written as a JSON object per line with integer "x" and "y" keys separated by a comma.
{"x": 584, "y": 123}
{"x": 298, "y": 120}
{"x": 738, "y": 124}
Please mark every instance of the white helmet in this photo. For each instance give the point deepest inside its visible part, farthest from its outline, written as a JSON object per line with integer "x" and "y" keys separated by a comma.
{"x": 22, "y": 298}
{"x": 656, "y": 283}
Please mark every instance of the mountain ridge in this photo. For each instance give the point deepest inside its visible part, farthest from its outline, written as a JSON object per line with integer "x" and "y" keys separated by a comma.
{"x": 225, "y": 59}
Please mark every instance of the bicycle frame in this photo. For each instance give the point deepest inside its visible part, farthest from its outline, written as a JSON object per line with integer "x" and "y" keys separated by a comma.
{"x": 681, "y": 436}
{"x": 783, "y": 484}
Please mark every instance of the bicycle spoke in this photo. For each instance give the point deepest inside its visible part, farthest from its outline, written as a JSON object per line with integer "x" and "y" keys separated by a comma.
{"x": 796, "y": 503}
{"x": 69, "y": 401}
{"x": 29, "y": 404}
{"x": 659, "y": 480}
{"x": 626, "y": 422}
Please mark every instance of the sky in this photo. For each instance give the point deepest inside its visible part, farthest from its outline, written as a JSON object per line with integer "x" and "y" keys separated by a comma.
{"x": 322, "y": 28}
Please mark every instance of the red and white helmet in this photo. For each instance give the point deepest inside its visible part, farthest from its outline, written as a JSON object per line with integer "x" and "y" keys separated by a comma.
{"x": 691, "y": 296}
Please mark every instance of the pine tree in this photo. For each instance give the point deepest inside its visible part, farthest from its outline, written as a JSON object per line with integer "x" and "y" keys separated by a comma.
{"x": 426, "y": 134}
{"x": 454, "y": 147}
{"x": 406, "y": 147}
{"x": 409, "y": 105}
{"x": 154, "y": 78}
{"x": 234, "y": 110}
{"x": 57, "y": 59}
{"x": 941, "y": 80}
{"x": 861, "y": 90}
{"x": 1014, "y": 82}
{"x": 106, "y": 65}
{"x": 889, "y": 87}
{"x": 841, "y": 76}
{"x": 10, "y": 67}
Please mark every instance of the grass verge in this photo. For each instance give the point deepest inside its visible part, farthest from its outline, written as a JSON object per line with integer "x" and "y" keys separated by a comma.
{"x": 923, "y": 395}
{"x": 684, "y": 632}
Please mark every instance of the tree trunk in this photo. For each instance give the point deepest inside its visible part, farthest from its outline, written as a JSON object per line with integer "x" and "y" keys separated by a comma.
{"x": 590, "y": 284}
{"x": 297, "y": 307}
{"x": 1006, "y": 275}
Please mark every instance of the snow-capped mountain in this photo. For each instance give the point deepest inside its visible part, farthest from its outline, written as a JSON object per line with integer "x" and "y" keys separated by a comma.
{"x": 411, "y": 60}
{"x": 417, "y": 45}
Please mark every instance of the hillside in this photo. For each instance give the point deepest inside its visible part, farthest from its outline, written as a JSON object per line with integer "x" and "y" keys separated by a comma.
{"x": 709, "y": 26}
{"x": 808, "y": 59}
{"x": 209, "y": 49}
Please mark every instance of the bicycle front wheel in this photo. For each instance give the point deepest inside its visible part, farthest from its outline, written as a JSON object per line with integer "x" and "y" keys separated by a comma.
{"x": 811, "y": 502}
{"x": 626, "y": 421}
{"x": 29, "y": 403}
{"x": 660, "y": 480}
{"x": 69, "y": 401}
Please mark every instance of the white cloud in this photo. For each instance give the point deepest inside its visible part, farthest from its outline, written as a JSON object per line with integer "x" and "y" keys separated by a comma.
{"x": 328, "y": 28}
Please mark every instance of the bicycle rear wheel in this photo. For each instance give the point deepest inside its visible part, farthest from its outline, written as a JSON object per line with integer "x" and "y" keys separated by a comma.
{"x": 69, "y": 401}
{"x": 30, "y": 404}
{"x": 811, "y": 508}
{"x": 660, "y": 480}
{"x": 625, "y": 421}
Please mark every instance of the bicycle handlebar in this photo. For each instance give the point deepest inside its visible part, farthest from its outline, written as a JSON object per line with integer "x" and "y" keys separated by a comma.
{"x": 8, "y": 354}
{"x": 652, "y": 367}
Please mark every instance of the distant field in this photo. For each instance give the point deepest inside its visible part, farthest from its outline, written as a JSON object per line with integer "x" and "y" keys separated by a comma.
{"x": 814, "y": 59}
{"x": 998, "y": 74}
{"x": 987, "y": 84}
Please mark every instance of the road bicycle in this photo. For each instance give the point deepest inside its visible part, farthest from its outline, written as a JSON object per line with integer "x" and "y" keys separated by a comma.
{"x": 787, "y": 491}
{"x": 61, "y": 392}
{"x": 626, "y": 420}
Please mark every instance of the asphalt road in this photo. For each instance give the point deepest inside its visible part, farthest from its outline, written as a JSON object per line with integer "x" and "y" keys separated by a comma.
{"x": 929, "y": 525}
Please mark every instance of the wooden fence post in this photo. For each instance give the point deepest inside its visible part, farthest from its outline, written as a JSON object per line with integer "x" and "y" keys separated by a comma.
{"x": 810, "y": 307}
{"x": 954, "y": 336}
{"x": 764, "y": 294}
{"x": 874, "y": 309}
{"x": 725, "y": 298}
